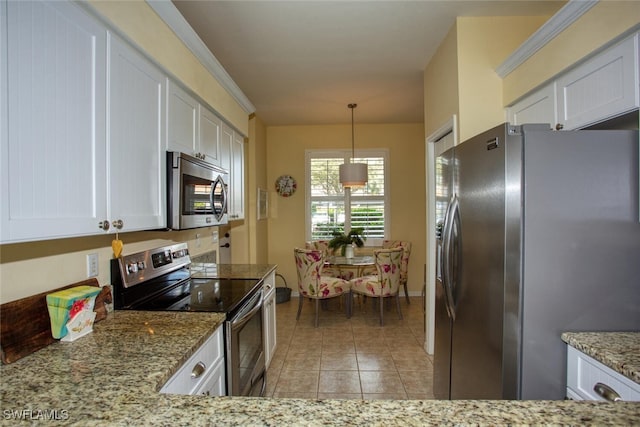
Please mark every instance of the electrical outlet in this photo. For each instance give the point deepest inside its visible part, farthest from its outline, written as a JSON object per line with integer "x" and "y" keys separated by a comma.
{"x": 198, "y": 240}
{"x": 92, "y": 265}
{"x": 214, "y": 236}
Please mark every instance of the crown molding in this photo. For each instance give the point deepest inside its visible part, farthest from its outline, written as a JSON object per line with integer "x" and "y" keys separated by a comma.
{"x": 174, "y": 19}
{"x": 566, "y": 16}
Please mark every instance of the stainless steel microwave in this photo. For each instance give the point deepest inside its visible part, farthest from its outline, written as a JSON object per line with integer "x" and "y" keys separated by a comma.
{"x": 197, "y": 192}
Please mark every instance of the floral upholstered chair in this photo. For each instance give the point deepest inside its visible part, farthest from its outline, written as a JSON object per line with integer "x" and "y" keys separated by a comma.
{"x": 404, "y": 265}
{"x": 386, "y": 283}
{"x": 323, "y": 246}
{"x": 312, "y": 283}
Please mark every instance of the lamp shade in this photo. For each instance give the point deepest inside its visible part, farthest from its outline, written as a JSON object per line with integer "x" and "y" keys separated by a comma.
{"x": 353, "y": 174}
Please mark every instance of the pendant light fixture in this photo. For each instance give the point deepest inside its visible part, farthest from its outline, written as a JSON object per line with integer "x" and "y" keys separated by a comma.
{"x": 353, "y": 175}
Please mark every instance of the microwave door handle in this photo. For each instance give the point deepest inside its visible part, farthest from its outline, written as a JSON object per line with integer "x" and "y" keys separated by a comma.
{"x": 225, "y": 196}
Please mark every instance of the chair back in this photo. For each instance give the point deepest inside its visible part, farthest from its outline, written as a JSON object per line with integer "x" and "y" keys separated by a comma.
{"x": 406, "y": 247}
{"x": 309, "y": 264}
{"x": 388, "y": 263}
{"x": 319, "y": 245}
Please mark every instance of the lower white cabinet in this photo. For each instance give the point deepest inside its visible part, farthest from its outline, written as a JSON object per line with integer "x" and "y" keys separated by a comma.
{"x": 269, "y": 317}
{"x": 203, "y": 373}
{"x": 588, "y": 379}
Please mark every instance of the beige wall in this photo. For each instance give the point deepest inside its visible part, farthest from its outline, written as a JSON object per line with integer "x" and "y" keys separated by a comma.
{"x": 441, "y": 84}
{"x": 257, "y": 172}
{"x": 460, "y": 78}
{"x": 602, "y": 23}
{"x": 483, "y": 44}
{"x": 143, "y": 26}
{"x": 286, "y": 147}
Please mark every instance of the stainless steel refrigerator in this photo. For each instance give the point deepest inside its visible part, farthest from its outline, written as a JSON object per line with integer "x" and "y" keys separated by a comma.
{"x": 538, "y": 233}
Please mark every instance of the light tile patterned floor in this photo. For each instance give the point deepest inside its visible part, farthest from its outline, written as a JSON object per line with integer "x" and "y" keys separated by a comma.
{"x": 350, "y": 358}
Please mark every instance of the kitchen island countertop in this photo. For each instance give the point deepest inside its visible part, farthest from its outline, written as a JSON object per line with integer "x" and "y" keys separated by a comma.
{"x": 112, "y": 377}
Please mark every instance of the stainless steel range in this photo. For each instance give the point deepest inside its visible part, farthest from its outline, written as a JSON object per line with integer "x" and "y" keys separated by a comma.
{"x": 160, "y": 279}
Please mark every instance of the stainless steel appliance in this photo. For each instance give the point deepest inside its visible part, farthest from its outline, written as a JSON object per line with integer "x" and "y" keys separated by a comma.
{"x": 160, "y": 279}
{"x": 538, "y": 233}
{"x": 197, "y": 192}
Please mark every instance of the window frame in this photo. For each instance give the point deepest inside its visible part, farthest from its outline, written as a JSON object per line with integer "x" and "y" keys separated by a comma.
{"x": 346, "y": 156}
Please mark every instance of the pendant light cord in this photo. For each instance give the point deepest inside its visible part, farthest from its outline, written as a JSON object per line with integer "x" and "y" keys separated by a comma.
{"x": 353, "y": 150}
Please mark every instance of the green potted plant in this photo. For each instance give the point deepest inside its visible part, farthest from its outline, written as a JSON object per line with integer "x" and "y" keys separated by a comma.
{"x": 342, "y": 241}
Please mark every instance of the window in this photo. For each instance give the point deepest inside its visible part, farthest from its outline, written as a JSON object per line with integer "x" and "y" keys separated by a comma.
{"x": 331, "y": 207}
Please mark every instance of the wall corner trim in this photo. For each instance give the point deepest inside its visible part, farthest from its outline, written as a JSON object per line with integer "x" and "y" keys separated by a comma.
{"x": 174, "y": 19}
{"x": 566, "y": 16}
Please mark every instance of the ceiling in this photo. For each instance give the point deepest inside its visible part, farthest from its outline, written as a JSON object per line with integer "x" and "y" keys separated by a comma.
{"x": 301, "y": 62}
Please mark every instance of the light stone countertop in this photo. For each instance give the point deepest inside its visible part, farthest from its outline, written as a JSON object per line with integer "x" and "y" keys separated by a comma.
{"x": 619, "y": 351}
{"x": 231, "y": 271}
{"x": 112, "y": 377}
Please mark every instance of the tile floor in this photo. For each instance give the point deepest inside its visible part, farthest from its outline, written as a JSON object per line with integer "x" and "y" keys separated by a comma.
{"x": 350, "y": 358}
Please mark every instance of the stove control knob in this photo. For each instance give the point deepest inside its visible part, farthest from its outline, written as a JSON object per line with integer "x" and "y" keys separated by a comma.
{"x": 141, "y": 265}
{"x": 132, "y": 268}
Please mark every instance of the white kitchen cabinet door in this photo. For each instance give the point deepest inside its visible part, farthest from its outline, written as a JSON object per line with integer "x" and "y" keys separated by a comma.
{"x": 588, "y": 379}
{"x": 210, "y": 136}
{"x": 237, "y": 202}
{"x": 52, "y": 121}
{"x": 182, "y": 120}
{"x": 603, "y": 87}
{"x": 269, "y": 318}
{"x": 226, "y": 141}
{"x": 137, "y": 159}
{"x": 538, "y": 107}
{"x": 203, "y": 371}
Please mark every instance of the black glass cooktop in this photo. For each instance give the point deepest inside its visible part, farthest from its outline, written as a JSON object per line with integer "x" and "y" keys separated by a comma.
{"x": 213, "y": 295}
{"x": 176, "y": 291}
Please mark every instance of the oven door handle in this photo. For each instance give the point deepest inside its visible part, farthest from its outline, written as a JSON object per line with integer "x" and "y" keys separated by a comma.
{"x": 247, "y": 312}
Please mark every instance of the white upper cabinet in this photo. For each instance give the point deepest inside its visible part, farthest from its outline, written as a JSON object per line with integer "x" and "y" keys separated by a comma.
{"x": 52, "y": 121}
{"x": 232, "y": 159}
{"x": 137, "y": 175}
{"x": 602, "y": 87}
{"x": 182, "y": 119}
{"x": 539, "y": 107}
{"x": 226, "y": 139}
{"x": 236, "y": 210}
{"x": 210, "y": 125}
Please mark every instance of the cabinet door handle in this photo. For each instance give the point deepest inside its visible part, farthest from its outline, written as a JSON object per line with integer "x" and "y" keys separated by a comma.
{"x": 118, "y": 223}
{"x": 104, "y": 225}
{"x": 198, "y": 370}
{"x": 606, "y": 392}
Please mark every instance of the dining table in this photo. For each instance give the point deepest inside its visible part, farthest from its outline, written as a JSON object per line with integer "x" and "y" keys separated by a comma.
{"x": 356, "y": 264}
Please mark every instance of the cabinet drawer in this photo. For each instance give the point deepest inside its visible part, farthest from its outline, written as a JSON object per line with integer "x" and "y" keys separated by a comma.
{"x": 215, "y": 384}
{"x": 584, "y": 373}
{"x": 201, "y": 364}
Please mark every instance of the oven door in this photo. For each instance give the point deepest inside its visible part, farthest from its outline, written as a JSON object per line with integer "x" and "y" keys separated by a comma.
{"x": 245, "y": 350}
{"x": 197, "y": 193}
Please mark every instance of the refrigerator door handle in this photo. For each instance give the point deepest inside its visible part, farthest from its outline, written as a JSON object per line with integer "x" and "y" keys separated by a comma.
{"x": 447, "y": 246}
